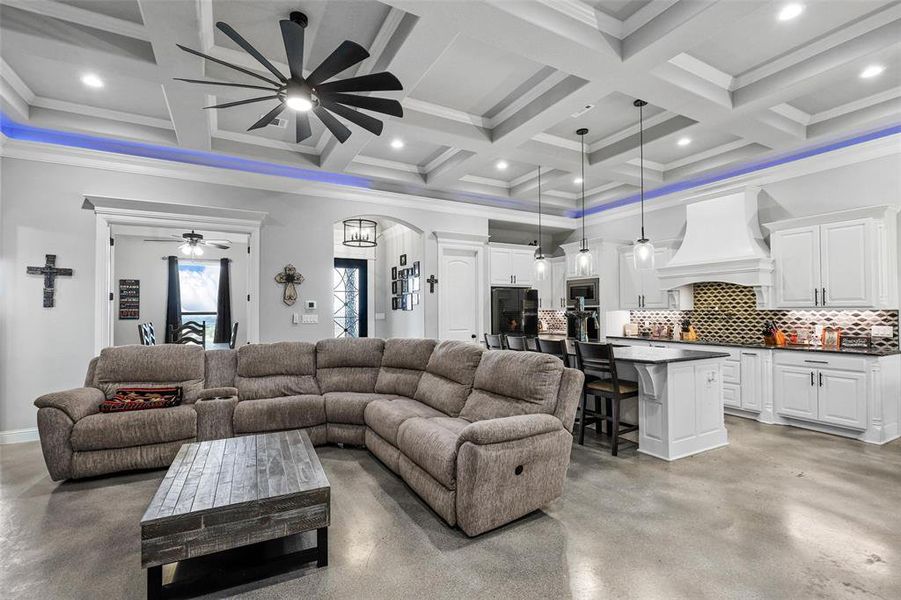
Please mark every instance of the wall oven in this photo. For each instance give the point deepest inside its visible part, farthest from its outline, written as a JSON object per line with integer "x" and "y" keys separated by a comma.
{"x": 586, "y": 288}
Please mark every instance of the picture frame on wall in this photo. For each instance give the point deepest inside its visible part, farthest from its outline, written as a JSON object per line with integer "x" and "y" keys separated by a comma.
{"x": 415, "y": 268}
{"x": 408, "y": 302}
{"x": 414, "y": 286}
{"x": 394, "y": 287}
{"x": 403, "y": 260}
{"x": 404, "y": 286}
{"x": 393, "y": 273}
{"x": 395, "y": 303}
{"x": 415, "y": 298}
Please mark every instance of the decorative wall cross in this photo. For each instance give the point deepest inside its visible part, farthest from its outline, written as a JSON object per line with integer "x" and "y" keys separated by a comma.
{"x": 432, "y": 280}
{"x": 50, "y": 273}
{"x": 290, "y": 278}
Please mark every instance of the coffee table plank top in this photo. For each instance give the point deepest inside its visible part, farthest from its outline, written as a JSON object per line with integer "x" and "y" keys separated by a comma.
{"x": 207, "y": 476}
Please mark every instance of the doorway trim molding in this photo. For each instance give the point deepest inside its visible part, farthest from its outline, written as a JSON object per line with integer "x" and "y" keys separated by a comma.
{"x": 453, "y": 241}
{"x": 122, "y": 211}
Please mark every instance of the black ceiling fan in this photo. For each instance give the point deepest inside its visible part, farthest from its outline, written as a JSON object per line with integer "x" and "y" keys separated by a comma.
{"x": 313, "y": 93}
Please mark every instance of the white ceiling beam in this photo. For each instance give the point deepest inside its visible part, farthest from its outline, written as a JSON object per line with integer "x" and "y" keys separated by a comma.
{"x": 80, "y": 16}
{"x": 169, "y": 23}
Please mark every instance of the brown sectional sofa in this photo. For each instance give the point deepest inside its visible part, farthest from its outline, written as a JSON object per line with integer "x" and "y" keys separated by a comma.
{"x": 482, "y": 437}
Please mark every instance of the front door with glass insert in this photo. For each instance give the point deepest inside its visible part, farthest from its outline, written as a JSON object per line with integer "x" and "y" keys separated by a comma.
{"x": 350, "y": 298}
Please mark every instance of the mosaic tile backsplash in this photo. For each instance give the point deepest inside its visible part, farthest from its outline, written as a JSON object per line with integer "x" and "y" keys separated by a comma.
{"x": 728, "y": 313}
{"x": 554, "y": 321}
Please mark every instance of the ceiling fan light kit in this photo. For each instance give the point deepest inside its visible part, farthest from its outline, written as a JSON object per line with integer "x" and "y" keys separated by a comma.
{"x": 315, "y": 93}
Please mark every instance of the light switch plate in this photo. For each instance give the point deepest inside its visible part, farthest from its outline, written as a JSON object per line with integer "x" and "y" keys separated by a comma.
{"x": 881, "y": 331}
{"x": 311, "y": 318}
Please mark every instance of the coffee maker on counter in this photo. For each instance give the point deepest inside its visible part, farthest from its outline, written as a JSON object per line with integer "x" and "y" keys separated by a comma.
{"x": 580, "y": 322}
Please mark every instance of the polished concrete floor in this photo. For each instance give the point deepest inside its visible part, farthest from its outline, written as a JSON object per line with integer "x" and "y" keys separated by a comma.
{"x": 780, "y": 513}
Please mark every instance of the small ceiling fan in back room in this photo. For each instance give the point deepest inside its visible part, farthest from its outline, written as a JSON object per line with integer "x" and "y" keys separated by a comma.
{"x": 312, "y": 93}
{"x": 191, "y": 244}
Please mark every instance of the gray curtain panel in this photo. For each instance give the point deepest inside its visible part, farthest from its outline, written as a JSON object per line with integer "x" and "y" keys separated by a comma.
{"x": 173, "y": 299}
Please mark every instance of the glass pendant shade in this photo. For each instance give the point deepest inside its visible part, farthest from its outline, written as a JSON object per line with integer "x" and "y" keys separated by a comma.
{"x": 359, "y": 233}
{"x": 643, "y": 255}
{"x": 540, "y": 266}
{"x": 191, "y": 250}
{"x": 585, "y": 262}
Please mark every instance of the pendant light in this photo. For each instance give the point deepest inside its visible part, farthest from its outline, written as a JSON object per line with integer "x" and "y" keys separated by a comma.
{"x": 643, "y": 250}
{"x": 360, "y": 233}
{"x": 540, "y": 266}
{"x": 584, "y": 260}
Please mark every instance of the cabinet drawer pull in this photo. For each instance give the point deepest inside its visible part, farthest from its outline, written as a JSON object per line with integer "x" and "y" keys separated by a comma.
{"x": 816, "y": 297}
{"x": 824, "y": 296}
{"x": 811, "y": 378}
{"x": 748, "y": 354}
{"x": 821, "y": 380}
{"x": 817, "y": 362}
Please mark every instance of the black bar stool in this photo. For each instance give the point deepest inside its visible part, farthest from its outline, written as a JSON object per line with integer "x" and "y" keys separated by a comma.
{"x": 599, "y": 365}
{"x": 532, "y": 344}
{"x": 555, "y": 347}
{"x": 516, "y": 342}
{"x": 494, "y": 342}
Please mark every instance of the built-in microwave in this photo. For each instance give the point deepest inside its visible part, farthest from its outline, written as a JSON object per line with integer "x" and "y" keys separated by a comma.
{"x": 585, "y": 288}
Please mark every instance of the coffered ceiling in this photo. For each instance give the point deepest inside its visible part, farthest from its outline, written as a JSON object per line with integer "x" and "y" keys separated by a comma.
{"x": 492, "y": 89}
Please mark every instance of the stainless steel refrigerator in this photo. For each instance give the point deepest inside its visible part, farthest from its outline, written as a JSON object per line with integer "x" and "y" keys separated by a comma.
{"x": 514, "y": 311}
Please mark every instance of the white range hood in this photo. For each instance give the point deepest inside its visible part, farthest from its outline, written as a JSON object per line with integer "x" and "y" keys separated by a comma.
{"x": 722, "y": 242}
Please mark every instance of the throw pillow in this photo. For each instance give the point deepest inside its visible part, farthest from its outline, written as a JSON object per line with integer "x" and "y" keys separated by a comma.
{"x": 141, "y": 398}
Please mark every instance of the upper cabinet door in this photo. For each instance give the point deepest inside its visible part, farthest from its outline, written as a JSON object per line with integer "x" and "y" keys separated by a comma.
{"x": 558, "y": 284}
{"x": 629, "y": 282}
{"x": 653, "y": 294}
{"x": 499, "y": 266}
{"x": 521, "y": 265}
{"x": 848, "y": 264}
{"x": 797, "y": 256}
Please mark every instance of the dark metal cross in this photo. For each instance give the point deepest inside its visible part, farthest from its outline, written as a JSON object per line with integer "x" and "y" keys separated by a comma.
{"x": 50, "y": 273}
{"x": 432, "y": 280}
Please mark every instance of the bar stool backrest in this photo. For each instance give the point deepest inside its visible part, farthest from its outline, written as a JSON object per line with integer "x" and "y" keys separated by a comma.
{"x": 493, "y": 342}
{"x": 516, "y": 342}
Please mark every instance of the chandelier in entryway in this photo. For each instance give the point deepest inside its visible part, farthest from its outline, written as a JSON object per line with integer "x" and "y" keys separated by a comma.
{"x": 360, "y": 233}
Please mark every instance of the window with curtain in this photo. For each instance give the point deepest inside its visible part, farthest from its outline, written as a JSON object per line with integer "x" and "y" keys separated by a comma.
{"x": 199, "y": 283}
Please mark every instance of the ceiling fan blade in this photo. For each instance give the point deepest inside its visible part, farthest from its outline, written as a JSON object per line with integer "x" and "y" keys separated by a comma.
{"x": 292, "y": 35}
{"x": 338, "y": 129}
{"x": 302, "y": 128}
{"x": 162, "y": 240}
{"x": 220, "y": 246}
{"x": 374, "y": 82}
{"x": 227, "y": 64}
{"x": 268, "y": 117}
{"x": 382, "y": 105}
{"x": 227, "y": 84}
{"x": 236, "y": 38}
{"x": 221, "y": 242}
{"x": 368, "y": 123}
{"x": 344, "y": 56}
{"x": 240, "y": 102}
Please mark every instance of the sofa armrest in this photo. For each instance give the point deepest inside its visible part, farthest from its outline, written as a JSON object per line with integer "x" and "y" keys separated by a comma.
{"x": 508, "y": 429}
{"x": 214, "y": 417}
{"x": 218, "y": 392}
{"x": 76, "y": 403}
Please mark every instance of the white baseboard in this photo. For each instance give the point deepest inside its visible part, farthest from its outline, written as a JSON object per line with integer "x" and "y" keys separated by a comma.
{"x": 15, "y": 436}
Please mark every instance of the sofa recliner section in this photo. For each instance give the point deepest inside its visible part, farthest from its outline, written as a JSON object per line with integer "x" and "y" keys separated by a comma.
{"x": 482, "y": 437}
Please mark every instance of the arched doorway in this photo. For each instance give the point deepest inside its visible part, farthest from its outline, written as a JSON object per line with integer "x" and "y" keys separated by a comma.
{"x": 378, "y": 291}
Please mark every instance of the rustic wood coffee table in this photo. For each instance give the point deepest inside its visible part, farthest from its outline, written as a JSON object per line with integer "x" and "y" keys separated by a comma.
{"x": 223, "y": 494}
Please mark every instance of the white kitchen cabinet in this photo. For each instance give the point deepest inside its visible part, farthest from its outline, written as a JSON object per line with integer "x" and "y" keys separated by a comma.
{"x": 846, "y": 259}
{"x": 642, "y": 288}
{"x": 796, "y": 253}
{"x": 558, "y": 283}
{"x": 752, "y": 380}
{"x": 842, "y": 398}
{"x": 510, "y": 264}
{"x": 795, "y": 391}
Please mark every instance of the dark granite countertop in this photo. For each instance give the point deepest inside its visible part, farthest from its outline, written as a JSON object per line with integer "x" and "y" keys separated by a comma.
{"x": 638, "y": 354}
{"x": 856, "y": 351}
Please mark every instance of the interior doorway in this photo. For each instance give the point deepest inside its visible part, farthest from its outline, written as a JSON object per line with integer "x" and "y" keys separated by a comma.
{"x": 350, "y": 298}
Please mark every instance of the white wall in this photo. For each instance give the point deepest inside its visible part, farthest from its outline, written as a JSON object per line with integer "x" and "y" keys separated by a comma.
{"x": 394, "y": 241}
{"x": 137, "y": 259}
{"x": 871, "y": 183}
{"x": 48, "y": 349}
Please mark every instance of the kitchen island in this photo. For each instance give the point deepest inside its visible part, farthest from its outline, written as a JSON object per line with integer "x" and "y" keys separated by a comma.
{"x": 680, "y": 405}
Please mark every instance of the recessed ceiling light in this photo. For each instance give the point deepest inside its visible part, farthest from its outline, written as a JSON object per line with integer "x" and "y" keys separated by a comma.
{"x": 397, "y": 143}
{"x": 501, "y": 165}
{"x": 577, "y": 180}
{"x": 790, "y": 11}
{"x": 684, "y": 141}
{"x": 91, "y": 80}
{"x": 872, "y": 71}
